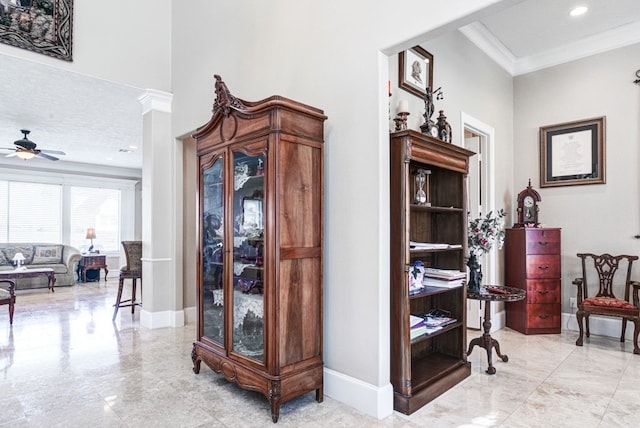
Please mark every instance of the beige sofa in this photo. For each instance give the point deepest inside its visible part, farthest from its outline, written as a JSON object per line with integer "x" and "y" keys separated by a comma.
{"x": 61, "y": 258}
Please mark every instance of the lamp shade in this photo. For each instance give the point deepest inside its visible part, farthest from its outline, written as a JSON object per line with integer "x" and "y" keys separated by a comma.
{"x": 18, "y": 257}
{"x": 91, "y": 233}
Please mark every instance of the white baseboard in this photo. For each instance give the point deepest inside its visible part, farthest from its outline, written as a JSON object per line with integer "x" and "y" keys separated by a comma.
{"x": 598, "y": 325}
{"x": 161, "y": 319}
{"x": 372, "y": 400}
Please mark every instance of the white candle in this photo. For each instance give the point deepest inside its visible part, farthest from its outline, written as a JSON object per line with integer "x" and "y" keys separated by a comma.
{"x": 403, "y": 106}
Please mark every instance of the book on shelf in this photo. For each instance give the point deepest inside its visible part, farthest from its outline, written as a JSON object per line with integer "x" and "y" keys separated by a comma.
{"x": 443, "y": 283}
{"x": 434, "y": 318}
{"x": 432, "y": 246}
{"x": 424, "y": 329}
{"x": 415, "y": 320}
{"x": 448, "y": 274}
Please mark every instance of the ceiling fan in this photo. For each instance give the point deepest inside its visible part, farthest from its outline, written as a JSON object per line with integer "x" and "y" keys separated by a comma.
{"x": 26, "y": 149}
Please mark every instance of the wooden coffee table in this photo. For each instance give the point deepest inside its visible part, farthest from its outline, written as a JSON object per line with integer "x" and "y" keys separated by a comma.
{"x": 12, "y": 275}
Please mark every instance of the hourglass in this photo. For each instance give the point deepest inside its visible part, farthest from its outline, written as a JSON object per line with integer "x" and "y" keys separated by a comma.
{"x": 421, "y": 183}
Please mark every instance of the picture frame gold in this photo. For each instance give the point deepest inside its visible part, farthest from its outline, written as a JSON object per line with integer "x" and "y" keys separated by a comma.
{"x": 415, "y": 71}
{"x": 44, "y": 27}
{"x": 573, "y": 153}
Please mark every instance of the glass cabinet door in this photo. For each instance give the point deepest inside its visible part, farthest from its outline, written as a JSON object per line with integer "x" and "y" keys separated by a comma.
{"x": 211, "y": 268}
{"x": 248, "y": 254}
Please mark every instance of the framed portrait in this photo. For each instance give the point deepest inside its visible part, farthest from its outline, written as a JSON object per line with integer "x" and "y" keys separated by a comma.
{"x": 415, "y": 71}
{"x": 573, "y": 153}
{"x": 43, "y": 26}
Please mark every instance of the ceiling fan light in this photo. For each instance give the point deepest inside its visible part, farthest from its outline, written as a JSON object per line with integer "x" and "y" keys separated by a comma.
{"x": 25, "y": 155}
{"x": 577, "y": 11}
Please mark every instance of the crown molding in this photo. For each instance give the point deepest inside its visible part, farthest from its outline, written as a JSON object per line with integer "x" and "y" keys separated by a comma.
{"x": 155, "y": 100}
{"x": 619, "y": 37}
{"x": 480, "y": 36}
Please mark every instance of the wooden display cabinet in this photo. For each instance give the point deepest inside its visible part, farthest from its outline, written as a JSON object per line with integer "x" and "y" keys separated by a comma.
{"x": 427, "y": 366}
{"x": 260, "y": 245}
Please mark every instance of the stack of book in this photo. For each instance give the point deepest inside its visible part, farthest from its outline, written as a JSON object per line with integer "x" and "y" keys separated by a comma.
{"x": 437, "y": 318}
{"x": 427, "y": 324}
{"x": 434, "y": 277}
{"x": 418, "y": 327}
{"x": 432, "y": 246}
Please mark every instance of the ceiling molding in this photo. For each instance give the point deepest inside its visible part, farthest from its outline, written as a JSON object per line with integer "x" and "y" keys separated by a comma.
{"x": 619, "y": 37}
{"x": 154, "y": 100}
{"x": 480, "y": 36}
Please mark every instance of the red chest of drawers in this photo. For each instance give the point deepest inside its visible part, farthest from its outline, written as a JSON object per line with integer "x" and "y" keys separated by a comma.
{"x": 532, "y": 263}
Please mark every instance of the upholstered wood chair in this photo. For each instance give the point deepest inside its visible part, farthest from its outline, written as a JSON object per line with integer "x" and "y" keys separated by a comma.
{"x": 7, "y": 297}
{"x": 132, "y": 270}
{"x": 602, "y": 300}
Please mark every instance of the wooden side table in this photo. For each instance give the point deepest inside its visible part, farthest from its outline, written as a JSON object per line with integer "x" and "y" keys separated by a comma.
{"x": 501, "y": 294}
{"x": 89, "y": 262}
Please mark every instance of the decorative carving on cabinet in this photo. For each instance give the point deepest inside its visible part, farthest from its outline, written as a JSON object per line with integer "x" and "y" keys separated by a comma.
{"x": 224, "y": 100}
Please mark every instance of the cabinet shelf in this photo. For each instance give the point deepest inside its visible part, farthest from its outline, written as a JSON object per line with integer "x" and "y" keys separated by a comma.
{"x": 415, "y": 207}
{"x": 418, "y": 251}
{"x": 436, "y": 333}
{"x": 426, "y": 371}
{"x": 432, "y": 291}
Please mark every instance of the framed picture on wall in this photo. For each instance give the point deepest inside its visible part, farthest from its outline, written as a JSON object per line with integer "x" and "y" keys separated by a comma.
{"x": 573, "y": 153}
{"x": 415, "y": 71}
{"x": 39, "y": 26}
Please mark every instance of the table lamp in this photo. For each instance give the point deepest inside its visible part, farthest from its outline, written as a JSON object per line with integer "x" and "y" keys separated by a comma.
{"x": 91, "y": 234}
{"x": 18, "y": 259}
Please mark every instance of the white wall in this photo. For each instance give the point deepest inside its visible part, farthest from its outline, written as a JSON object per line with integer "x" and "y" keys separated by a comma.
{"x": 594, "y": 218}
{"x": 117, "y": 40}
{"x": 326, "y": 54}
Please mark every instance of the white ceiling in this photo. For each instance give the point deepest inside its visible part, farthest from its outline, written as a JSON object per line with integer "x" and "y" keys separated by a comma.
{"x": 92, "y": 120}
{"x": 535, "y": 34}
{"x": 87, "y": 118}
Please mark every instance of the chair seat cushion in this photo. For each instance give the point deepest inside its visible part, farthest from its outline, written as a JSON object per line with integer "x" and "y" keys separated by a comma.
{"x": 609, "y": 302}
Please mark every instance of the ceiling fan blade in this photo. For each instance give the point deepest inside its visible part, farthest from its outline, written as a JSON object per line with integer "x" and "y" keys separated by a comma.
{"x": 46, "y": 156}
{"x": 11, "y": 154}
{"x": 53, "y": 152}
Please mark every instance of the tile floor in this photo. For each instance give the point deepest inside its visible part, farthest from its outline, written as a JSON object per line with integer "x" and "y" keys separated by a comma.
{"x": 65, "y": 364}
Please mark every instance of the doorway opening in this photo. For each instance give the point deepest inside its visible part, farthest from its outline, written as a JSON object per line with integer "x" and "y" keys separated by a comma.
{"x": 479, "y": 138}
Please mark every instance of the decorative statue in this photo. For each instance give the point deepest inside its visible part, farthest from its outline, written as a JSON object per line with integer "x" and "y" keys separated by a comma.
{"x": 429, "y": 126}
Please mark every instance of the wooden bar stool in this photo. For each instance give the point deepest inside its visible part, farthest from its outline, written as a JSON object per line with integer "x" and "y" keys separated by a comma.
{"x": 132, "y": 270}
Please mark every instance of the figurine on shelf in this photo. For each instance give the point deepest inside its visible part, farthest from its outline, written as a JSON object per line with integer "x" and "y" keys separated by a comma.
{"x": 429, "y": 127}
{"x": 240, "y": 176}
{"x": 444, "y": 129}
{"x": 260, "y": 168}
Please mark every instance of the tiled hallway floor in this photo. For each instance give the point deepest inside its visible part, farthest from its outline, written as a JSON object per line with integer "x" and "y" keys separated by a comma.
{"x": 65, "y": 364}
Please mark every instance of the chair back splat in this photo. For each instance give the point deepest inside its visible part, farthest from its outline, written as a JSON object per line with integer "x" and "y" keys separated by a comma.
{"x": 604, "y": 301}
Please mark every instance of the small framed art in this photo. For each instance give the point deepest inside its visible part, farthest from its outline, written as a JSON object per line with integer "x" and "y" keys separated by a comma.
{"x": 43, "y": 26}
{"x": 573, "y": 153}
{"x": 415, "y": 71}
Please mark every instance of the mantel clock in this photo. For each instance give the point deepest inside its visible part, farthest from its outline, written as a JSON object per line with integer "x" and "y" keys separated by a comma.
{"x": 528, "y": 208}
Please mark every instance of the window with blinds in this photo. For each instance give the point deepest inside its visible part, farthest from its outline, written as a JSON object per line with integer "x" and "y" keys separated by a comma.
{"x": 98, "y": 209}
{"x": 34, "y": 212}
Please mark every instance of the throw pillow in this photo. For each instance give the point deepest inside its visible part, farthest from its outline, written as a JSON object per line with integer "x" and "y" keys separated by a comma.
{"x": 45, "y": 254}
{"x": 27, "y": 252}
{"x": 3, "y": 260}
